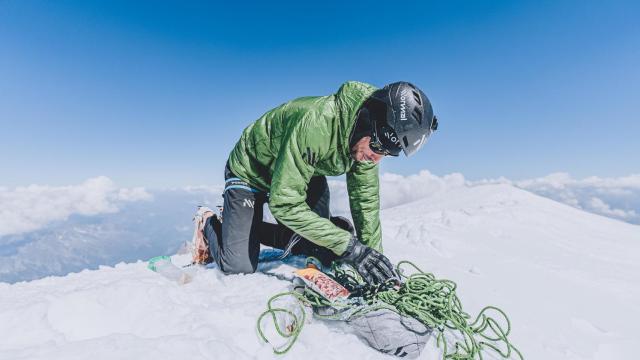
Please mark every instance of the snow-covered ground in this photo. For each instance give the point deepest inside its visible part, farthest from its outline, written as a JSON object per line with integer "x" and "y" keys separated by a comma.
{"x": 569, "y": 281}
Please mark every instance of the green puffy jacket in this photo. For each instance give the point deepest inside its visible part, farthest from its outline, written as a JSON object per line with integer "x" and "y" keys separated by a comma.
{"x": 306, "y": 137}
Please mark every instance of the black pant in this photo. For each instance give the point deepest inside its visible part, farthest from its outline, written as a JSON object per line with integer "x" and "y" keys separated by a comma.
{"x": 236, "y": 246}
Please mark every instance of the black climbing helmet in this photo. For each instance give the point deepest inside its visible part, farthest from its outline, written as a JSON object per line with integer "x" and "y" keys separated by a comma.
{"x": 401, "y": 119}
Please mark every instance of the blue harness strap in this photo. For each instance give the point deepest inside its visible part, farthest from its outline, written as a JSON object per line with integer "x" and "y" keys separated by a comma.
{"x": 237, "y": 183}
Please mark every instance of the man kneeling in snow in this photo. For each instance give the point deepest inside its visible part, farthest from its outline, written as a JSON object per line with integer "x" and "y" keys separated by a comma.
{"x": 284, "y": 157}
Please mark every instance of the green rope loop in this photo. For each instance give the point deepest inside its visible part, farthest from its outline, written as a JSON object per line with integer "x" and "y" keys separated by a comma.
{"x": 296, "y": 327}
{"x": 431, "y": 301}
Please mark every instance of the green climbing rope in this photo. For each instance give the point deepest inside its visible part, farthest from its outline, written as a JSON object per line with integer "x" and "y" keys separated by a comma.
{"x": 434, "y": 303}
{"x": 291, "y": 333}
{"x": 431, "y": 301}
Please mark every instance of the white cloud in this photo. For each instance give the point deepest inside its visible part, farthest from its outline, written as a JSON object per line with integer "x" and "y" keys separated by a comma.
{"x": 398, "y": 189}
{"x": 213, "y": 189}
{"x": 134, "y": 194}
{"x": 614, "y": 197}
{"x": 31, "y": 207}
{"x": 599, "y": 206}
{"x": 627, "y": 182}
{"x": 564, "y": 180}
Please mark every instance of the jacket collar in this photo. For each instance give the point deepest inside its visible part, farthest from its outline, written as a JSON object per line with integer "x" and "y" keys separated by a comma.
{"x": 349, "y": 99}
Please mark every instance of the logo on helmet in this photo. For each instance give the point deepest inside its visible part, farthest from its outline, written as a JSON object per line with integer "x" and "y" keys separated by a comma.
{"x": 392, "y": 137}
{"x": 403, "y": 103}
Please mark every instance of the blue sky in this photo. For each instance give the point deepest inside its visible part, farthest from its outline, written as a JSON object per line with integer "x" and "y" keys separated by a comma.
{"x": 155, "y": 93}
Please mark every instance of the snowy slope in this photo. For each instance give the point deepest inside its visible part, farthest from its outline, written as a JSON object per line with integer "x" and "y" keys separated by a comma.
{"x": 569, "y": 280}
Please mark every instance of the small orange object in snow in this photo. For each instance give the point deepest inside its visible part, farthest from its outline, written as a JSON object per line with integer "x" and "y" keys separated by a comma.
{"x": 323, "y": 284}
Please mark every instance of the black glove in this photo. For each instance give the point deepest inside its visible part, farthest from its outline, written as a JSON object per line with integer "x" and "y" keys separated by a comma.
{"x": 374, "y": 267}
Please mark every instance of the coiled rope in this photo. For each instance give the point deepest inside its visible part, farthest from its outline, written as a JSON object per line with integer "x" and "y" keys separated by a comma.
{"x": 290, "y": 333}
{"x": 431, "y": 301}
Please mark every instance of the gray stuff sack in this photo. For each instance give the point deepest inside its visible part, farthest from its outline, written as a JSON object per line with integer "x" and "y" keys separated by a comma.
{"x": 391, "y": 333}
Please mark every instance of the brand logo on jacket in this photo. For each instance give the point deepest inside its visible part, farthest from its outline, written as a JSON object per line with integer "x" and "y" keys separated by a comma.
{"x": 310, "y": 157}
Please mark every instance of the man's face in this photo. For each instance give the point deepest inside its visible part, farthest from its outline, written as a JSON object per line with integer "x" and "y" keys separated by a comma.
{"x": 362, "y": 152}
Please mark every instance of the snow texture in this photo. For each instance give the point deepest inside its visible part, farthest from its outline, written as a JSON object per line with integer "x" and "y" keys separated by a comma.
{"x": 569, "y": 281}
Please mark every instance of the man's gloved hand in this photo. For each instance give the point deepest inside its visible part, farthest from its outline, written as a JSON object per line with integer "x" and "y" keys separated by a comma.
{"x": 374, "y": 267}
